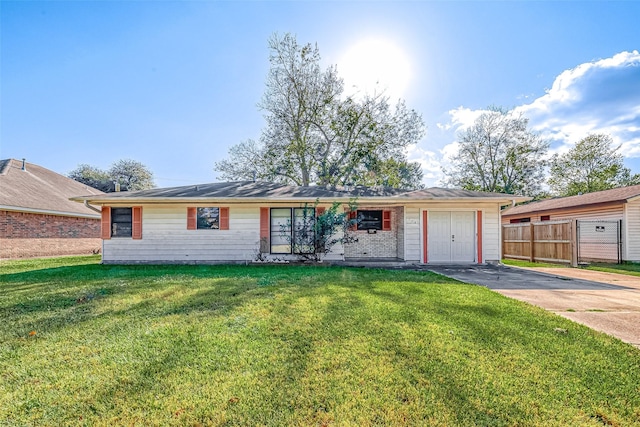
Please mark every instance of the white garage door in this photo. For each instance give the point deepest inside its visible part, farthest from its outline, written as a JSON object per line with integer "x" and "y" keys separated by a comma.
{"x": 451, "y": 237}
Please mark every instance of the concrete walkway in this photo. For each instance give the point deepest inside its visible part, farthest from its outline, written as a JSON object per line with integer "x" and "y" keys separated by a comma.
{"x": 606, "y": 302}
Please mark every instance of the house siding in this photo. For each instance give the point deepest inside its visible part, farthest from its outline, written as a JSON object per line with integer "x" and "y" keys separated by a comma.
{"x": 412, "y": 232}
{"x": 26, "y": 235}
{"x": 491, "y": 235}
{"x": 165, "y": 238}
{"x": 605, "y": 213}
{"x": 631, "y": 233}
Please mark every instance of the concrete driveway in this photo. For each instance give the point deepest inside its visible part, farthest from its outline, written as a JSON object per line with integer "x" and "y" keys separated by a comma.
{"x": 613, "y": 308}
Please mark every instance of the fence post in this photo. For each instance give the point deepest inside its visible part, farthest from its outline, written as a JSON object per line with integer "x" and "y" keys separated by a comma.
{"x": 619, "y": 241}
{"x": 531, "y": 245}
{"x": 574, "y": 243}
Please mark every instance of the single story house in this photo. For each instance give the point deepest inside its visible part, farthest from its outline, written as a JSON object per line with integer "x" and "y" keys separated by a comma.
{"x": 621, "y": 205}
{"x": 38, "y": 219}
{"x": 231, "y": 222}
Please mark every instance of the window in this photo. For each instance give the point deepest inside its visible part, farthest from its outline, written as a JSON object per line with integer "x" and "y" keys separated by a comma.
{"x": 208, "y": 218}
{"x": 545, "y": 218}
{"x": 369, "y": 220}
{"x": 519, "y": 220}
{"x": 304, "y": 236}
{"x": 292, "y": 230}
{"x": 121, "y": 222}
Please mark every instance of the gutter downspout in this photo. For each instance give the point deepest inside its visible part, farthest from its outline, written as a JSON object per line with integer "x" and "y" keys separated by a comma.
{"x": 93, "y": 208}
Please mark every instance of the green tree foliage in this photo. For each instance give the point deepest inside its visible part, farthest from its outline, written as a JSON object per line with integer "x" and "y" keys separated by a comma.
{"x": 92, "y": 176}
{"x": 499, "y": 154}
{"x": 132, "y": 174}
{"x": 129, "y": 174}
{"x": 314, "y": 134}
{"x": 593, "y": 164}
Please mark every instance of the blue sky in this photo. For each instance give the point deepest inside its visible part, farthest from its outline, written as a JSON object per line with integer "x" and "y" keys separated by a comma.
{"x": 174, "y": 84}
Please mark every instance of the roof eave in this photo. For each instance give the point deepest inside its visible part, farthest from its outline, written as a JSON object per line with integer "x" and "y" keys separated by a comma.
{"x": 576, "y": 206}
{"x": 48, "y": 212}
{"x": 247, "y": 200}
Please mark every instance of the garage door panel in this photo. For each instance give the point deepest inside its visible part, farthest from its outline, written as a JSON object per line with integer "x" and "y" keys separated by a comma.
{"x": 439, "y": 236}
{"x": 463, "y": 232}
{"x": 451, "y": 237}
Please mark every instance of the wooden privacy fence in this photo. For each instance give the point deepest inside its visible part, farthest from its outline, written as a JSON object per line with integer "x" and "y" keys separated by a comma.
{"x": 548, "y": 241}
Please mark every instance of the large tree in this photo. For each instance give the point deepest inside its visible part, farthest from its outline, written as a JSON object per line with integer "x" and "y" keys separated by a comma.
{"x": 498, "y": 153}
{"x": 93, "y": 177}
{"x": 593, "y": 164}
{"x": 314, "y": 134}
{"x": 129, "y": 174}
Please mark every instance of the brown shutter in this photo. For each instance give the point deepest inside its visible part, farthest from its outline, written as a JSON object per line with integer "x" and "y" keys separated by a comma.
{"x": 224, "y": 218}
{"x": 320, "y": 211}
{"x": 425, "y": 232}
{"x": 136, "y": 222}
{"x": 192, "y": 219}
{"x": 353, "y": 215}
{"x": 264, "y": 230}
{"x": 105, "y": 223}
{"x": 386, "y": 220}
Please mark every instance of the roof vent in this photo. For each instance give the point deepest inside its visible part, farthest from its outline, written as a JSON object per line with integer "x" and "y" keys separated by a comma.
{"x": 24, "y": 164}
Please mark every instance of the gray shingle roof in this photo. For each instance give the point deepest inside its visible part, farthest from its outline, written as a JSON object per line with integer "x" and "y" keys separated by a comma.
{"x": 454, "y": 193}
{"x": 614, "y": 195}
{"x": 38, "y": 188}
{"x": 239, "y": 189}
{"x": 248, "y": 190}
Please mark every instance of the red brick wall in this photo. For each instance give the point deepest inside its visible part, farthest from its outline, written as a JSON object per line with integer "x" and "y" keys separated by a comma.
{"x": 25, "y": 235}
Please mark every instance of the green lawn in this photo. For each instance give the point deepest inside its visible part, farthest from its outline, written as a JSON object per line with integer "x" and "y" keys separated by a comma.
{"x": 87, "y": 344}
{"x": 521, "y": 263}
{"x": 631, "y": 269}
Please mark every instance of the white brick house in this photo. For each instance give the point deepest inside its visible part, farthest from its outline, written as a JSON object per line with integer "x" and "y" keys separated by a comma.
{"x": 233, "y": 222}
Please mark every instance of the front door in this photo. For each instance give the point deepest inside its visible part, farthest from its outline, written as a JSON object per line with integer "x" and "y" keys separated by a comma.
{"x": 451, "y": 237}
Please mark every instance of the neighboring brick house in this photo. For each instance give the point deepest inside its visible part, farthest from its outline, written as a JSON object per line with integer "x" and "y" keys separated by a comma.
{"x": 38, "y": 219}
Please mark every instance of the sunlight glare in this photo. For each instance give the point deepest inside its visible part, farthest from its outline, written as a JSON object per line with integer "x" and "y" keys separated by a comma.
{"x": 374, "y": 65}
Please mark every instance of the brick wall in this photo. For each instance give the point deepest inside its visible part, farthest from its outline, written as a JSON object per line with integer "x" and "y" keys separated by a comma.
{"x": 24, "y": 235}
{"x": 382, "y": 244}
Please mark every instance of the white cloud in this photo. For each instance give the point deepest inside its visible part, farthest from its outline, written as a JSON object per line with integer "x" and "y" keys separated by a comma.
{"x": 428, "y": 160}
{"x": 601, "y": 96}
{"x": 461, "y": 119}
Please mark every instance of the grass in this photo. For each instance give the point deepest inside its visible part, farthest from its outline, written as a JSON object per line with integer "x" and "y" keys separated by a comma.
{"x": 528, "y": 264}
{"x": 631, "y": 269}
{"x": 87, "y": 344}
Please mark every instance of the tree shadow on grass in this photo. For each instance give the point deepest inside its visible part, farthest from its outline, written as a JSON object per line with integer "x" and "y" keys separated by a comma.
{"x": 353, "y": 307}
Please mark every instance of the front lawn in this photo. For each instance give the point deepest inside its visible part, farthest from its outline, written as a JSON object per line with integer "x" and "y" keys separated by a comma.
{"x": 631, "y": 269}
{"x": 87, "y": 344}
{"x": 527, "y": 264}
